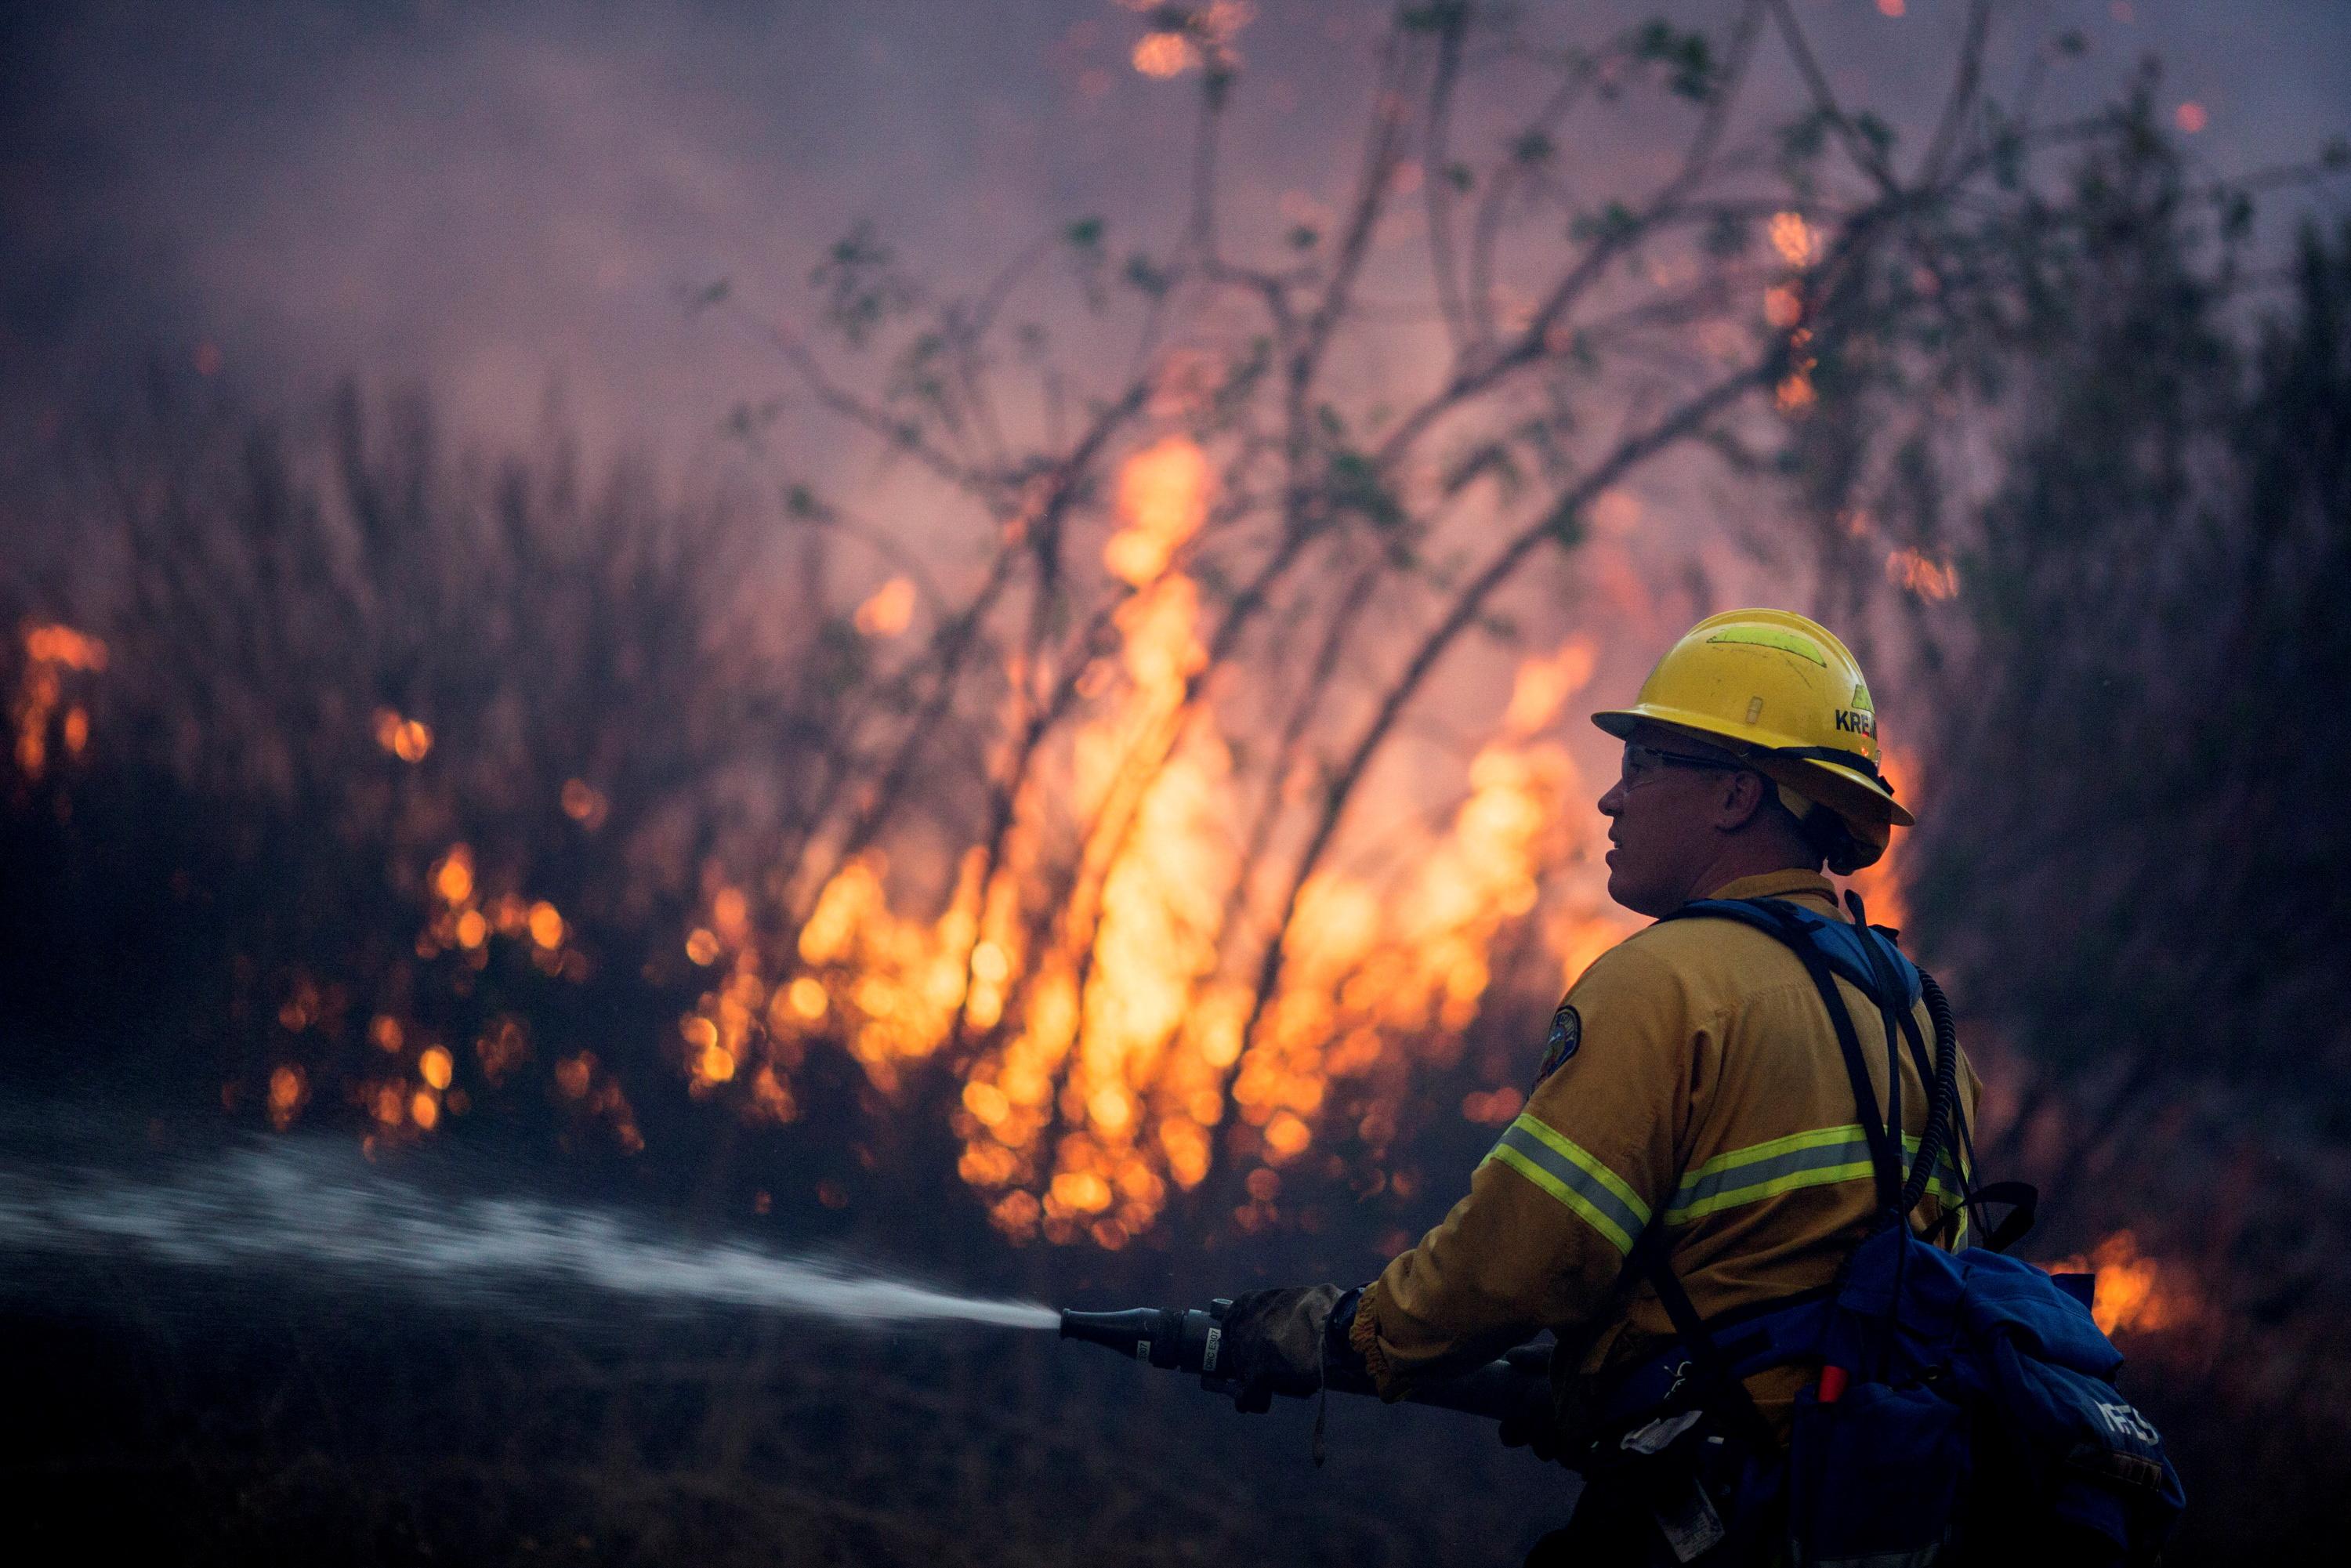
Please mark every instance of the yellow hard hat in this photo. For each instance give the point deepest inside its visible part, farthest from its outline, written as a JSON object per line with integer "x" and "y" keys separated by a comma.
{"x": 1785, "y": 696}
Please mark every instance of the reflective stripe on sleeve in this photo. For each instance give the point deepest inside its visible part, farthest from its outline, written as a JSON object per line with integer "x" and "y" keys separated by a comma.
{"x": 1783, "y": 1165}
{"x": 1571, "y": 1174}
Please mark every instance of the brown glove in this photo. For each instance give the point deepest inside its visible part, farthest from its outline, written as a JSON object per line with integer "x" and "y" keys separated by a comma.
{"x": 1273, "y": 1343}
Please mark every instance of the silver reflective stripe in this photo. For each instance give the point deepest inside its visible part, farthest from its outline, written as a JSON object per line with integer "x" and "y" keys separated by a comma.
{"x": 1826, "y": 1158}
{"x": 1820, "y": 1158}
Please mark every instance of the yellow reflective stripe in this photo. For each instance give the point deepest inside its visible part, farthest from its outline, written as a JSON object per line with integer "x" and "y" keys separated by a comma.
{"x": 1819, "y": 1158}
{"x": 1771, "y": 1185}
{"x": 1588, "y": 1163}
{"x": 1556, "y": 1164}
{"x": 1567, "y": 1194}
{"x": 1788, "y": 1145}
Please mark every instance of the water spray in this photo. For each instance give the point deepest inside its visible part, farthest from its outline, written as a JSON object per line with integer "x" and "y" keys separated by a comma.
{"x": 294, "y": 1205}
{"x": 302, "y": 1207}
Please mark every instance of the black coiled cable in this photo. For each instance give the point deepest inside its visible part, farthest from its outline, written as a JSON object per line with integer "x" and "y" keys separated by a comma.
{"x": 1939, "y": 1100}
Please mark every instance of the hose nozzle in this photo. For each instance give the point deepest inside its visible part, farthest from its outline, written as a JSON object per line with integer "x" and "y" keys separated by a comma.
{"x": 1164, "y": 1336}
{"x": 1513, "y": 1388}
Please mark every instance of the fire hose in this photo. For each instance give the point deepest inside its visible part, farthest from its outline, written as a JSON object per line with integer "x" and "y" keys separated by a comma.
{"x": 1513, "y": 1388}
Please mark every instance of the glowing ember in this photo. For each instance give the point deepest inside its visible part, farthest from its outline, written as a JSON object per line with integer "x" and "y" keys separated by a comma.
{"x": 453, "y": 878}
{"x": 1927, "y": 579}
{"x": 64, "y": 646}
{"x": 889, "y": 612}
{"x": 1188, "y": 40}
{"x": 583, "y": 804}
{"x": 1165, "y": 55}
{"x": 405, "y": 738}
{"x": 51, "y": 654}
{"x": 572, "y": 1073}
{"x": 288, "y": 1090}
{"x": 1793, "y": 239}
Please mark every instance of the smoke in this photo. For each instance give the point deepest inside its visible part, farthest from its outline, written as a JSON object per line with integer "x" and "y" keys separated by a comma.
{"x": 291, "y": 1206}
{"x": 491, "y": 199}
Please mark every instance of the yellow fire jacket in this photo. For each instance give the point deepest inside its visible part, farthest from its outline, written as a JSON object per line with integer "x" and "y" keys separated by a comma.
{"x": 1703, "y": 1092}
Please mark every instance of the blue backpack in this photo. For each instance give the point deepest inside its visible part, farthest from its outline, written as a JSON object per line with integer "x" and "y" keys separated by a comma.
{"x": 1966, "y": 1404}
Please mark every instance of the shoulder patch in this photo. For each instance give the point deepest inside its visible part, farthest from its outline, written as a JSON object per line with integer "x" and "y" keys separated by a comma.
{"x": 1566, "y": 1034}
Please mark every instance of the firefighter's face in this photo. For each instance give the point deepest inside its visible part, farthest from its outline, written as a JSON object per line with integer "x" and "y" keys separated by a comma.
{"x": 1664, "y": 813}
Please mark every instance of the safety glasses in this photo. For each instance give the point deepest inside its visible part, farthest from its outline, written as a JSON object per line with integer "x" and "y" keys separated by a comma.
{"x": 1643, "y": 763}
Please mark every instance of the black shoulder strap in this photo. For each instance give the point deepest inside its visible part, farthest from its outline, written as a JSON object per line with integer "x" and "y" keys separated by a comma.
{"x": 1724, "y": 1391}
{"x": 1887, "y": 991}
{"x": 1764, "y": 916}
{"x": 1719, "y": 1388}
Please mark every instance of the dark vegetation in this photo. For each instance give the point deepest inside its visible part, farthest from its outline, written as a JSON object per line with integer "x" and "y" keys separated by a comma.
{"x": 2129, "y": 873}
{"x": 2137, "y": 861}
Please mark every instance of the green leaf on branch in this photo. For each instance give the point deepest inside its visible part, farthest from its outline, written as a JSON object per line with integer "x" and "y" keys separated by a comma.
{"x": 1612, "y": 224}
{"x": 1565, "y": 527}
{"x": 1233, "y": 393}
{"x": 2236, "y": 214}
{"x": 1354, "y": 485}
{"x": 861, "y": 289}
{"x": 803, "y": 504}
{"x": 1145, "y": 276}
{"x": 1444, "y": 16}
{"x": 1728, "y": 236}
{"x": 1686, "y": 58}
{"x": 1492, "y": 459}
{"x": 1089, "y": 259}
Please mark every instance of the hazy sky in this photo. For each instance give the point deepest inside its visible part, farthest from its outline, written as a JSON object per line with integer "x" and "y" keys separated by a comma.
{"x": 496, "y": 196}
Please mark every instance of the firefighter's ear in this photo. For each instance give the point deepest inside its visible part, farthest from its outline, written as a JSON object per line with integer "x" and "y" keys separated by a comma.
{"x": 1738, "y": 798}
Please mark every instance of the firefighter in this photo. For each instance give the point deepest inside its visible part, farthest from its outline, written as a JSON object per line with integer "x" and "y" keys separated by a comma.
{"x": 1691, "y": 1099}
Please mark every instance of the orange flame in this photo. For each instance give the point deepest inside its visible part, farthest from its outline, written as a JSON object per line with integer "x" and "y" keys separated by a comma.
{"x": 1106, "y": 1054}
{"x": 1927, "y": 579}
{"x": 1880, "y": 885}
{"x": 1103, "y": 1048}
{"x": 2136, "y": 1293}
